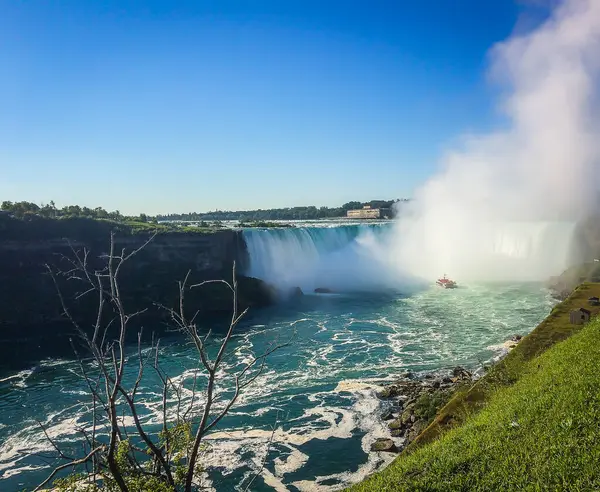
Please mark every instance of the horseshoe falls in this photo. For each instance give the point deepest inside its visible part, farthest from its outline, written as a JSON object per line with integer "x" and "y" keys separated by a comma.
{"x": 340, "y": 258}
{"x": 371, "y": 257}
{"x": 385, "y": 318}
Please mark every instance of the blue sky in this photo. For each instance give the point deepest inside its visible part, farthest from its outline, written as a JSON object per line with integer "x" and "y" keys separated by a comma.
{"x": 163, "y": 106}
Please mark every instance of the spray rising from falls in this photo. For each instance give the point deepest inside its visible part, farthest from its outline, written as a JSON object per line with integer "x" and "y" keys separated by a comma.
{"x": 541, "y": 168}
{"x": 365, "y": 257}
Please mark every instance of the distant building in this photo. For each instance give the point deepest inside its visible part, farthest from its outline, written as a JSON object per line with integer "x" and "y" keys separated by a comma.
{"x": 369, "y": 213}
{"x": 579, "y": 316}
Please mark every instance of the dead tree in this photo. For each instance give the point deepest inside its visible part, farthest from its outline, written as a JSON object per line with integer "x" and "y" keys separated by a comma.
{"x": 170, "y": 457}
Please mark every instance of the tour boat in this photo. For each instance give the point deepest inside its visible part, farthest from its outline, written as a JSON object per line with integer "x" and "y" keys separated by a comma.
{"x": 446, "y": 283}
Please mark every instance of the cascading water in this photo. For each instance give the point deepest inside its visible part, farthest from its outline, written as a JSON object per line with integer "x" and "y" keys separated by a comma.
{"x": 350, "y": 257}
{"x": 372, "y": 256}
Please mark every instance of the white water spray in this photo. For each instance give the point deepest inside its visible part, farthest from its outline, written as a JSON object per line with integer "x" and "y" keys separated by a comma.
{"x": 361, "y": 258}
{"x": 341, "y": 258}
{"x": 503, "y": 207}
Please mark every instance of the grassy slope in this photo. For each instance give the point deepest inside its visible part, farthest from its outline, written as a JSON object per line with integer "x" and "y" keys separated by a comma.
{"x": 539, "y": 421}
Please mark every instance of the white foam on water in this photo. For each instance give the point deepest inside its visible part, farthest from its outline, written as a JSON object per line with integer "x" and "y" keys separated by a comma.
{"x": 19, "y": 379}
{"x": 23, "y": 469}
{"x": 318, "y": 423}
{"x": 323, "y": 385}
{"x": 353, "y": 385}
{"x": 293, "y": 462}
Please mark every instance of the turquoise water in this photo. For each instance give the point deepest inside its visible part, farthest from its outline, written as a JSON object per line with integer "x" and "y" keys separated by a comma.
{"x": 318, "y": 391}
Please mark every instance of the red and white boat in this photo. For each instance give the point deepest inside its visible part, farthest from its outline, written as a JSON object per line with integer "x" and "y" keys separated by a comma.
{"x": 446, "y": 283}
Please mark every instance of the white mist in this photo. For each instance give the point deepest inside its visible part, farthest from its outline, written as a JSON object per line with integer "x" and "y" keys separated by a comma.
{"x": 503, "y": 206}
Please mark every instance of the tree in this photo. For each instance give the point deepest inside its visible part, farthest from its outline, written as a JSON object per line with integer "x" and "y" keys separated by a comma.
{"x": 143, "y": 218}
{"x": 169, "y": 460}
{"x": 100, "y": 213}
{"x": 351, "y": 206}
{"x": 72, "y": 211}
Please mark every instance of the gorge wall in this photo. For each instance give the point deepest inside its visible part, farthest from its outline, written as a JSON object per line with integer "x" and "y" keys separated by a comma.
{"x": 31, "y": 323}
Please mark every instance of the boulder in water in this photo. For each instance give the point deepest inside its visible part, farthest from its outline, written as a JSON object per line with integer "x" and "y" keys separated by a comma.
{"x": 323, "y": 290}
{"x": 398, "y": 432}
{"x": 460, "y": 373}
{"x": 295, "y": 292}
{"x": 396, "y": 424}
{"x": 384, "y": 444}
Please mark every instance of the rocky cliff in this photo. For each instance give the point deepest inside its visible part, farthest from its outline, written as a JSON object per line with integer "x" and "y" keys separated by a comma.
{"x": 584, "y": 264}
{"x": 31, "y": 325}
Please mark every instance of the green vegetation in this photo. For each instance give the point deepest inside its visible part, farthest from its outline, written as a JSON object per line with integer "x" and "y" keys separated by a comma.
{"x": 293, "y": 213}
{"x": 23, "y": 209}
{"x": 263, "y": 224}
{"x": 428, "y": 404}
{"x": 31, "y": 226}
{"x": 533, "y": 422}
{"x": 178, "y": 438}
{"x": 28, "y": 212}
{"x": 41, "y": 228}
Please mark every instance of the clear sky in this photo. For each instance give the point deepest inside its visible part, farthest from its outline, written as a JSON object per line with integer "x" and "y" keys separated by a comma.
{"x": 176, "y": 106}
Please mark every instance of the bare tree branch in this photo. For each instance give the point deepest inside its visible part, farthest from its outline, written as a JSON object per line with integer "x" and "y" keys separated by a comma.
{"x": 112, "y": 402}
{"x": 80, "y": 461}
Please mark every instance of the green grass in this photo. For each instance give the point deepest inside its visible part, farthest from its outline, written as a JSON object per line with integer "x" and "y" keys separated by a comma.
{"x": 532, "y": 423}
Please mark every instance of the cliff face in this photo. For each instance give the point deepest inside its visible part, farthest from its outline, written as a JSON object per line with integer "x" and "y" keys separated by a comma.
{"x": 585, "y": 252}
{"x": 31, "y": 325}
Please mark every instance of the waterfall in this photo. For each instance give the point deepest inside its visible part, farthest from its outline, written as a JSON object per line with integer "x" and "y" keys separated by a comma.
{"x": 373, "y": 256}
{"x": 340, "y": 258}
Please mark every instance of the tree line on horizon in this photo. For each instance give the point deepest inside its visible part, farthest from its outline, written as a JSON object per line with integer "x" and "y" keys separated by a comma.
{"x": 289, "y": 213}
{"x": 24, "y": 209}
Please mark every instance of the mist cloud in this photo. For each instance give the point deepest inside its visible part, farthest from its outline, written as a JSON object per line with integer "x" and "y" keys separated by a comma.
{"x": 503, "y": 205}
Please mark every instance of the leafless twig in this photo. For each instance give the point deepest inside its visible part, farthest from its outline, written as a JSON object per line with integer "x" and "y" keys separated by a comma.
{"x": 113, "y": 401}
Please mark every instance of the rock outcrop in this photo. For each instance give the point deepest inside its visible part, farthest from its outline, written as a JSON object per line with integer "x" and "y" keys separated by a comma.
{"x": 412, "y": 403}
{"x": 30, "y": 316}
{"x": 384, "y": 444}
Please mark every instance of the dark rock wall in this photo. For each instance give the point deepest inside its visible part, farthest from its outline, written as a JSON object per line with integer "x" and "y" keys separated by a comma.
{"x": 31, "y": 324}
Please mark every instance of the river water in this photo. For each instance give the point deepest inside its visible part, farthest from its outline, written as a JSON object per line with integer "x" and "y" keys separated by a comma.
{"x": 317, "y": 392}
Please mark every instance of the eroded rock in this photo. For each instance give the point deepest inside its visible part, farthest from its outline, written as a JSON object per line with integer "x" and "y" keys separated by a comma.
{"x": 396, "y": 424}
{"x": 385, "y": 445}
{"x": 398, "y": 432}
{"x": 416, "y": 401}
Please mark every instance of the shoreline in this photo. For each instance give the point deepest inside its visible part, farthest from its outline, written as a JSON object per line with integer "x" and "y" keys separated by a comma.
{"x": 410, "y": 403}
{"x": 428, "y": 441}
